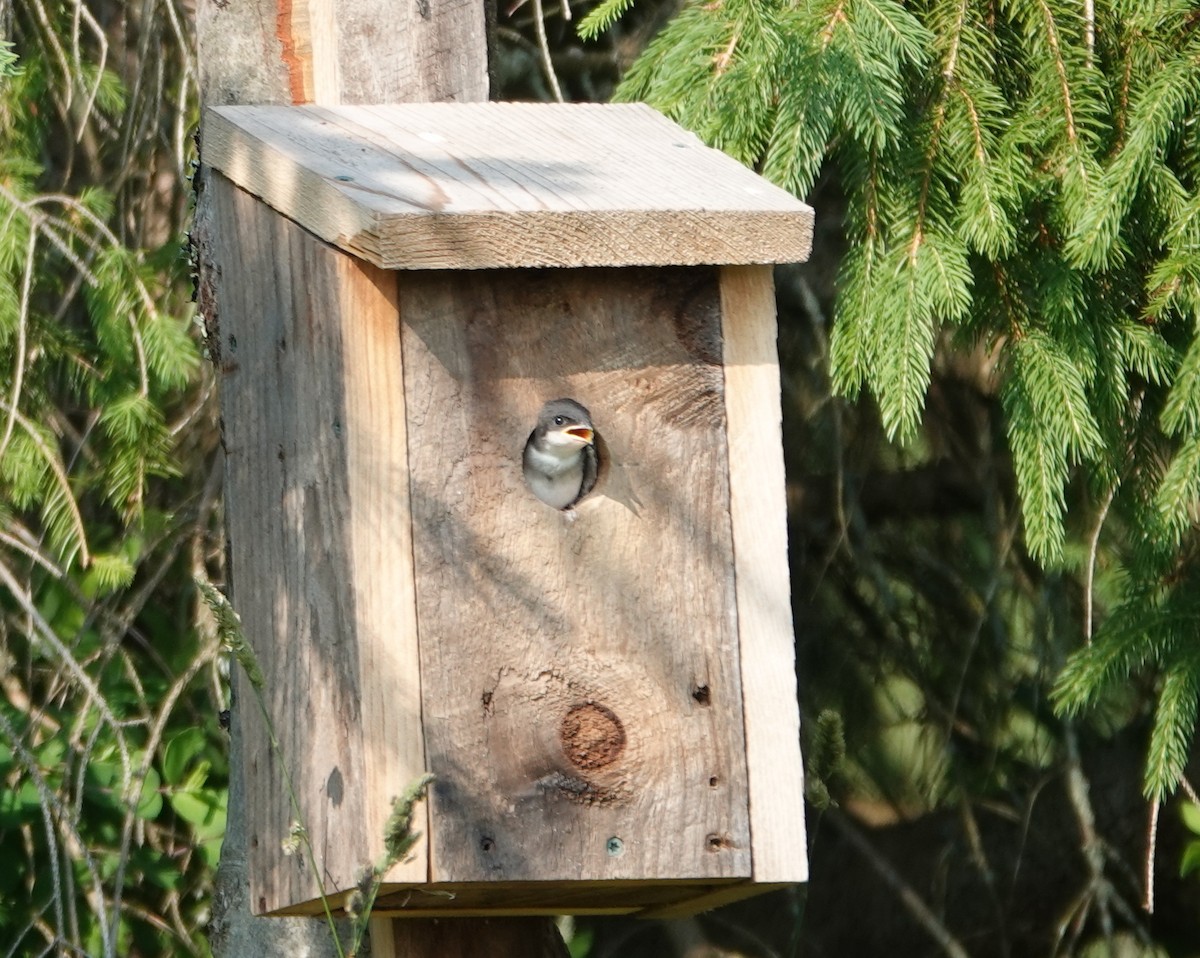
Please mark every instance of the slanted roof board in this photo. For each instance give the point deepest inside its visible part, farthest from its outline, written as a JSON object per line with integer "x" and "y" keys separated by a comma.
{"x": 479, "y": 185}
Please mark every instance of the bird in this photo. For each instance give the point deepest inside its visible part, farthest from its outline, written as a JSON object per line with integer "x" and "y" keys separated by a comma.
{"x": 559, "y": 460}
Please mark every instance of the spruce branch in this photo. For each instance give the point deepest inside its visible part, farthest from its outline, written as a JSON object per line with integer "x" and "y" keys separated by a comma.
{"x": 1178, "y": 498}
{"x": 1181, "y": 414}
{"x": 1170, "y": 94}
{"x": 603, "y": 17}
{"x": 1026, "y": 173}
{"x": 1174, "y": 721}
{"x": 60, "y": 508}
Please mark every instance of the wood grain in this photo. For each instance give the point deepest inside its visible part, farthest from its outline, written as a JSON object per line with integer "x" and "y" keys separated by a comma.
{"x": 481, "y": 185}
{"x": 321, "y": 559}
{"x": 340, "y": 51}
{"x": 759, "y": 515}
{"x": 611, "y": 896}
{"x": 580, "y": 678}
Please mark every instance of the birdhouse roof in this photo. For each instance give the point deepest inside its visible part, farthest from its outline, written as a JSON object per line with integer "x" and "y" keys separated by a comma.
{"x": 481, "y": 185}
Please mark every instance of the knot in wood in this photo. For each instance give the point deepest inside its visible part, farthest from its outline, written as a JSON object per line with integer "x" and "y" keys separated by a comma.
{"x": 592, "y": 736}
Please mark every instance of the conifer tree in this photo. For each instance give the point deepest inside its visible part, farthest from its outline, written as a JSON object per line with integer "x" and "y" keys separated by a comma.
{"x": 110, "y": 805}
{"x": 1021, "y": 179}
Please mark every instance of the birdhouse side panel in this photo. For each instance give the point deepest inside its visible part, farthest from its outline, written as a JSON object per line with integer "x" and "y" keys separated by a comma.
{"x": 315, "y": 479}
{"x": 581, "y": 686}
{"x": 758, "y": 494}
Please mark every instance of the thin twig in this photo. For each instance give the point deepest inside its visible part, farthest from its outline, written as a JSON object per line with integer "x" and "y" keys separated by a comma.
{"x": 1189, "y": 790}
{"x": 1090, "y": 570}
{"x": 51, "y": 804}
{"x": 34, "y": 552}
{"x": 539, "y": 24}
{"x": 1089, "y": 29}
{"x": 908, "y": 896}
{"x": 1151, "y": 844}
{"x": 50, "y": 637}
{"x": 22, "y": 323}
{"x": 133, "y": 786}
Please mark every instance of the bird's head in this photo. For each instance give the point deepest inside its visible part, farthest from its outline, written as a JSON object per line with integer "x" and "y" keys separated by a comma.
{"x": 566, "y": 425}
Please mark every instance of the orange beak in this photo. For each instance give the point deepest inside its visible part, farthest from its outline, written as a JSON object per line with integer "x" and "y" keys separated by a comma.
{"x": 580, "y": 432}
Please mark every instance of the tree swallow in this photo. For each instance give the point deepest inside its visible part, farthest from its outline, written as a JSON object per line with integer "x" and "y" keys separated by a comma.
{"x": 560, "y": 455}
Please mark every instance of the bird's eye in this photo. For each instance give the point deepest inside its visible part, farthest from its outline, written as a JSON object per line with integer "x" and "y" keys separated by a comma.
{"x": 559, "y": 420}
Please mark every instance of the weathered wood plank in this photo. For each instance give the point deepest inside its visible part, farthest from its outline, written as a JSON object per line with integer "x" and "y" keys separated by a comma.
{"x": 478, "y": 185}
{"x": 339, "y": 51}
{"x": 352, "y": 58}
{"x": 580, "y": 678}
{"x": 314, "y": 431}
{"x": 654, "y": 898}
{"x": 759, "y": 513}
{"x": 710, "y": 898}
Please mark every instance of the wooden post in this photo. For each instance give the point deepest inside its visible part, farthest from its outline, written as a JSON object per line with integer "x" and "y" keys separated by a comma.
{"x": 332, "y": 52}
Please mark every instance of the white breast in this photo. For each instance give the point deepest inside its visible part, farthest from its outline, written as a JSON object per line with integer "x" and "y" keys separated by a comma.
{"x": 555, "y": 480}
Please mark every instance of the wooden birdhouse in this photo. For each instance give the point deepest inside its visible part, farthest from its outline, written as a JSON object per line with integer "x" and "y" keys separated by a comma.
{"x": 605, "y": 693}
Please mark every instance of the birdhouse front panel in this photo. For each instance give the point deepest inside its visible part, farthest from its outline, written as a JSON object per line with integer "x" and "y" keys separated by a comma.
{"x": 580, "y": 670}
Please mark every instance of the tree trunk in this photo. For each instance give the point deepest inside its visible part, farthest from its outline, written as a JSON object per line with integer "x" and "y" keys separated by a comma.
{"x": 330, "y": 52}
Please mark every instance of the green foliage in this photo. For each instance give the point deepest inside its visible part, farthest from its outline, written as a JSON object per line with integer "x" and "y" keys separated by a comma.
{"x": 8, "y": 59}
{"x": 112, "y": 767}
{"x": 826, "y": 754}
{"x": 1019, "y": 181}
{"x": 603, "y": 17}
{"x": 1190, "y": 813}
{"x": 399, "y": 837}
{"x": 229, "y": 632}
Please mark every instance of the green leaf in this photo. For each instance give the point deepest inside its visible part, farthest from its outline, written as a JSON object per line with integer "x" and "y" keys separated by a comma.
{"x": 52, "y": 754}
{"x": 18, "y": 805}
{"x": 183, "y": 751}
{"x": 150, "y": 801}
{"x": 204, "y": 809}
{"x": 580, "y": 945}
{"x": 155, "y": 868}
{"x": 1191, "y": 859}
